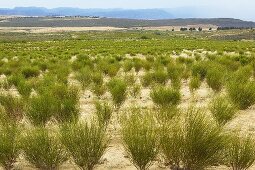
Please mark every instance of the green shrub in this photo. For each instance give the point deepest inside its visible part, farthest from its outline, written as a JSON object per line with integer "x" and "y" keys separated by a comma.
{"x": 98, "y": 78}
{"x": 166, "y": 114}
{"x": 140, "y": 139}
{"x": 41, "y": 109}
{"x": 67, "y": 103}
{"x": 241, "y": 152}
{"x": 118, "y": 90}
{"x": 160, "y": 76}
{"x": 24, "y": 88}
{"x": 200, "y": 69}
{"x": 29, "y": 72}
{"x": 242, "y": 94}
{"x": 147, "y": 79}
{"x": 9, "y": 143}
{"x": 172, "y": 142}
{"x": 175, "y": 71}
{"x": 164, "y": 97}
{"x": 86, "y": 144}
{"x": 103, "y": 112}
{"x": 222, "y": 109}
{"x": 138, "y": 64}
{"x": 43, "y": 150}
{"x": 14, "y": 106}
{"x": 215, "y": 78}
{"x": 127, "y": 66}
{"x": 194, "y": 83}
{"x": 203, "y": 140}
{"x": 242, "y": 75}
{"x": 84, "y": 76}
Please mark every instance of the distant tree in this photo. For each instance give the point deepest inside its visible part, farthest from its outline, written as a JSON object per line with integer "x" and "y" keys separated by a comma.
{"x": 192, "y": 29}
{"x": 183, "y": 29}
{"x": 200, "y": 29}
{"x": 173, "y": 29}
{"x": 210, "y": 29}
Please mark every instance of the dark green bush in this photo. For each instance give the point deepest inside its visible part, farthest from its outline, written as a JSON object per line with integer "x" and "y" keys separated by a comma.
{"x": 29, "y": 72}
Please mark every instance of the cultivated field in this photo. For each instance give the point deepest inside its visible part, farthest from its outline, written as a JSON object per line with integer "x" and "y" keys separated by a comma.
{"x": 127, "y": 100}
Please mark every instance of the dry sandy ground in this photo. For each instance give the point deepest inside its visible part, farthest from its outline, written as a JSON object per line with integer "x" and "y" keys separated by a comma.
{"x": 80, "y": 29}
{"x": 56, "y": 29}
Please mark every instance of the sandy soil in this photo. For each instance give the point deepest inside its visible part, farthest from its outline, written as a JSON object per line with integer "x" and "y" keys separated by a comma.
{"x": 56, "y": 29}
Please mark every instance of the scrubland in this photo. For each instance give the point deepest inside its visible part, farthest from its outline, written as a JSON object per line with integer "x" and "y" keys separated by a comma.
{"x": 126, "y": 100}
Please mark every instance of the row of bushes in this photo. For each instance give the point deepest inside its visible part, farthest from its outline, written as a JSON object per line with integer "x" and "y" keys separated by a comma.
{"x": 191, "y": 140}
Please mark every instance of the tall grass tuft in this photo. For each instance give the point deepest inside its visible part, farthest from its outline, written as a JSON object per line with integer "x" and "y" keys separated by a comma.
{"x": 9, "y": 142}
{"x": 140, "y": 139}
{"x": 242, "y": 94}
{"x": 13, "y": 106}
{"x": 118, "y": 90}
{"x": 43, "y": 150}
{"x": 172, "y": 142}
{"x": 203, "y": 140}
{"x": 241, "y": 152}
{"x": 85, "y": 143}
{"x": 222, "y": 109}
{"x": 41, "y": 109}
{"x": 165, "y": 97}
{"x": 103, "y": 112}
{"x": 215, "y": 78}
{"x": 194, "y": 83}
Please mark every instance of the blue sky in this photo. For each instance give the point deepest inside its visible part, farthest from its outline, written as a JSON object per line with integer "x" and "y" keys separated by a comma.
{"x": 243, "y": 9}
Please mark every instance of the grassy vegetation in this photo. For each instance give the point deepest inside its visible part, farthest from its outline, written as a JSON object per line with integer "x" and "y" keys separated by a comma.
{"x": 85, "y": 143}
{"x": 140, "y": 139}
{"x": 43, "y": 149}
{"x": 48, "y": 80}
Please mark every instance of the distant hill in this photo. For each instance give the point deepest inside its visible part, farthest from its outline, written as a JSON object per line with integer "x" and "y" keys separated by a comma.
{"x": 117, "y": 22}
{"x": 112, "y": 13}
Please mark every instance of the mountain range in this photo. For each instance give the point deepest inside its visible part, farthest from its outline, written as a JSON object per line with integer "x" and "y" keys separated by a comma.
{"x": 109, "y": 13}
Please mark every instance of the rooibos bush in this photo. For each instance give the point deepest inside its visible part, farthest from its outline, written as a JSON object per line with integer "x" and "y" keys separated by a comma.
{"x": 241, "y": 152}
{"x": 203, "y": 140}
{"x": 43, "y": 150}
{"x": 140, "y": 139}
{"x": 30, "y": 72}
{"x": 103, "y": 112}
{"x": 171, "y": 142}
{"x": 215, "y": 78}
{"x": 85, "y": 143}
{"x": 242, "y": 94}
{"x": 164, "y": 97}
{"x": 147, "y": 79}
{"x": 14, "y": 106}
{"x": 194, "y": 83}
{"x": 84, "y": 76}
{"x": 9, "y": 143}
{"x": 118, "y": 90}
{"x": 200, "y": 69}
{"x": 222, "y": 109}
{"x": 41, "y": 109}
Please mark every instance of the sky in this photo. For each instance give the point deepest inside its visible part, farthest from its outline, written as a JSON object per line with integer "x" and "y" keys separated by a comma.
{"x": 243, "y": 9}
